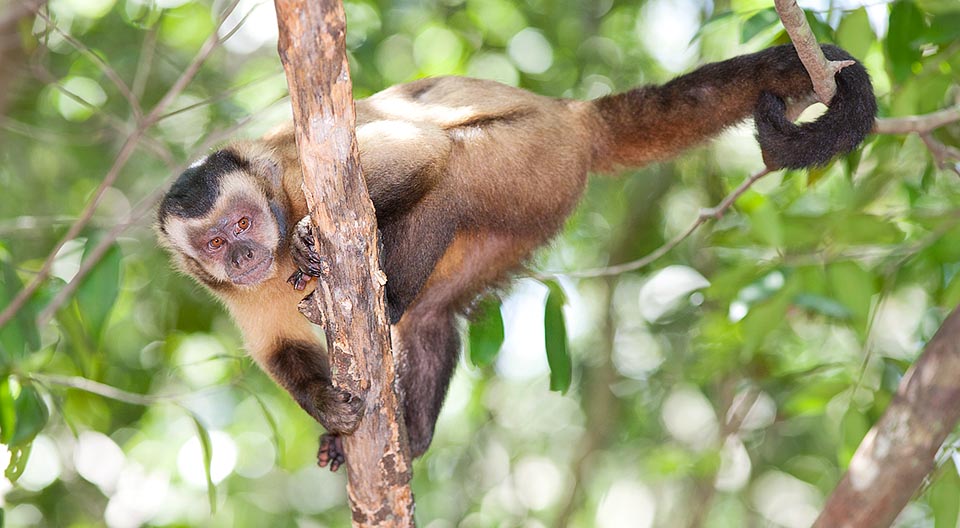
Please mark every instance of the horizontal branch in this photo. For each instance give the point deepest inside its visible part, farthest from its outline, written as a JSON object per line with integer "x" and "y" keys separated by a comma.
{"x": 917, "y": 123}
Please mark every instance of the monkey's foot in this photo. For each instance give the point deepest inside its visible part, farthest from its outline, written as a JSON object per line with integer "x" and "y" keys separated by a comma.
{"x": 331, "y": 452}
{"x": 339, "y": 411}
{"x": 305, "y": 255}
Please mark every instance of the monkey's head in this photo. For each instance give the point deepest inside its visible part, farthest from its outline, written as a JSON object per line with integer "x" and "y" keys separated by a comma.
{"x": 223, "y": 219}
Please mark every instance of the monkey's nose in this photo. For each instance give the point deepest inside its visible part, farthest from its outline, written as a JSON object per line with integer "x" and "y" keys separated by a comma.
{"x": 241, "y": 256}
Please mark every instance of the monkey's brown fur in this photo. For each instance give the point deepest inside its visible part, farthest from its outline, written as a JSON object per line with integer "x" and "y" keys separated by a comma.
{"x": 468, "y": 177}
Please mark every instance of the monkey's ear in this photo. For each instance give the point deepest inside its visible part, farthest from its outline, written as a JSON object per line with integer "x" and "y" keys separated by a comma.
{"x": 267, "y": 167}
{"x": 262, "y": 161}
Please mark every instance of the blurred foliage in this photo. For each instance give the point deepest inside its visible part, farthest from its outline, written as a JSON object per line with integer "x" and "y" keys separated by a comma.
{"x": 726, "y": 386}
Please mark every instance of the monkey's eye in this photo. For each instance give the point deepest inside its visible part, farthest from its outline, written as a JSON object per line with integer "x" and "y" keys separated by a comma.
{"x": 216, "y": 243}
{"x": 243, "y": 224}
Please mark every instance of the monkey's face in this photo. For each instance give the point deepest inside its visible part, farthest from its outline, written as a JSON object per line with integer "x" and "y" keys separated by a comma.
{"x": 239, "y": 243}
{"x": 235, "y": 242}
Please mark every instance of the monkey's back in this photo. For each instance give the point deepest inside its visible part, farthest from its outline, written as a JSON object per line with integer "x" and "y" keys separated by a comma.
{"x": 509, "y": 156}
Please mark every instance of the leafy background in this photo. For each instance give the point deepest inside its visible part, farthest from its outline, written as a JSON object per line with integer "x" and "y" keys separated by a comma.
{"x": 726, "y": 385}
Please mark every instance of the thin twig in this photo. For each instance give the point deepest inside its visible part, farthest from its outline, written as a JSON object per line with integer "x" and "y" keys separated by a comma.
{"x": 107, "y": 70}
{"x": 705, "y": 215}
{"x": 219, "y": 97}
{"x": 945, "y": 156}
{"x": 125, "y": 152}
{"x": 191, "y": 70}
{"x": 144, "y": 63}
{"x": 113, "y": 393}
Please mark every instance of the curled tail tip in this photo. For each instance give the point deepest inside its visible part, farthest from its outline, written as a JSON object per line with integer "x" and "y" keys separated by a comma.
{"x": 840, "y": 130}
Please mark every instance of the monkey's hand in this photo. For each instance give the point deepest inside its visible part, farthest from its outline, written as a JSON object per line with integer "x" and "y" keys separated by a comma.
{"x": 305, "y": 255}
{"x": 331, "y": 451}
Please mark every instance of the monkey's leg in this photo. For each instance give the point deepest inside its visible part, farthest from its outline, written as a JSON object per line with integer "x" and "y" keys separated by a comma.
{"x": 429, "y": 346}
{"x": 426, "y": 337}
{"x": 412, "y": 245}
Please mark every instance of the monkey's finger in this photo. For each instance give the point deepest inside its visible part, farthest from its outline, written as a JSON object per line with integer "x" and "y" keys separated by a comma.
{"x": 299, "y": 280}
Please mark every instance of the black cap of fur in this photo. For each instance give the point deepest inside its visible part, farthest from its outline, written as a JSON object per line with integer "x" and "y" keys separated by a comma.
{"x": 845, "y": 124}
{"x": 197, "y": 189}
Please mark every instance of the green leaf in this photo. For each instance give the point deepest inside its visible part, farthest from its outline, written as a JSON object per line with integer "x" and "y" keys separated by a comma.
{"x": 271, "y": 422}
{"x": 854, "y": 287}
{"x": 32, "y": 415}
{"x": 854, "y": 33}
{"x": 852, "y": 161}
{"x": 205, "y": 444}
{"x": 766, "y": 316}
{"x": 99, "y": 289}
{"x": 812, "y": 397}
{"x": 20, "y": 334}
{"x": 822, "y": 305}
{"x": 486, "y": 333}
{"x": 718, "y": 17}
{"x": 749, "y": 6}
{"x": 951, "y": 294}
{"x": 21, "y": 417}
{"x": 8, "y": 411}
{"x": 864, "y": 229}
{"x": 766, "y": 223}
{"x": 939, "y": 6}
{"x": 757, "y": 23}
{"x": 906, "y": 27}
{"x": 821, "y": 29}
{"x": 945, "y": 29}
{"x": 853, "y": 427}
{"x": 944, "y": 496}
{"x": 555, "y": 337}
{"x": 18, "y": 462}
{"x": 816, "y": 174}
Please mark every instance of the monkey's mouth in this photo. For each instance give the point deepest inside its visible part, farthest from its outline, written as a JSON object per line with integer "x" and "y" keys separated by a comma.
{"x": 256, "y": 274}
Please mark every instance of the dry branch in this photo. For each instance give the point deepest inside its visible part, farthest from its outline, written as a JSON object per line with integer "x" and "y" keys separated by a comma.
{"x": 900, "y": 450}
{"x": 821, "y": 70}
{"x": 351, "y": 295}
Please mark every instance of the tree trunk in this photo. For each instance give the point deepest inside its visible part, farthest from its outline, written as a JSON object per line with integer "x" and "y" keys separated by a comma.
{"x": 351, "y": 296}
{"x": 900, "y": 450}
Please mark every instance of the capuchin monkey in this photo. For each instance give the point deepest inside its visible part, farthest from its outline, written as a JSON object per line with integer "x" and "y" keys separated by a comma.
{"x": 467, "y": 177}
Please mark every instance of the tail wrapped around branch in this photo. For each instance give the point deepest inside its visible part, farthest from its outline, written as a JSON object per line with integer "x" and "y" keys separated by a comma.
{"x": 655, "y": 123}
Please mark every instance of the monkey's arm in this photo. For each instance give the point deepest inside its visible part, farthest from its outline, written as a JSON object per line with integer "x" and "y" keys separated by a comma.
{"x": 301, "y": 368}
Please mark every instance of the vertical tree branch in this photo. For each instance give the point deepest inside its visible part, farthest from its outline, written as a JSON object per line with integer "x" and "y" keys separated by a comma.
{"x": 900, "y": 449}
{"x": 821, "y": 70}
{"x": 351, "y": 296}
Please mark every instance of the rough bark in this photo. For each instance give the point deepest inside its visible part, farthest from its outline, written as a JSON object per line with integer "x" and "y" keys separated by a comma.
{"x": 900, "y": 450}
{"x": 351, "y": 296}
{"x": 822, "y": 71}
